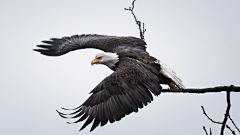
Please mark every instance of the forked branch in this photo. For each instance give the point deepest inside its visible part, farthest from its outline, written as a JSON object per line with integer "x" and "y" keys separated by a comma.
{"x": 227, "y": 89}
{"x": 142, "y": 30}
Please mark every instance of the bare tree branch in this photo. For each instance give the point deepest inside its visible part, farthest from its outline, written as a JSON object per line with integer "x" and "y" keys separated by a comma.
{"x": 227, "y": 89}
{"x": 209, "y": 117}
{"x": 231, "y": 88}
{"x": 234, "y": 123}
{"x": 233, "y": 132}
{"x": 205, "y": 130}
{"x": 137, "y": 22}
{"x": 227, "y": 113}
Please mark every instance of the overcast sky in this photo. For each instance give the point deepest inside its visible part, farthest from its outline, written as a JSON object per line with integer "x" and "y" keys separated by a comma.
{"x": 198, "y": 39}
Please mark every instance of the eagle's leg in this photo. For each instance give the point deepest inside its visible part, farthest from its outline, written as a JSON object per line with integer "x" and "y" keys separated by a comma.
{"x": 173, "y": 85}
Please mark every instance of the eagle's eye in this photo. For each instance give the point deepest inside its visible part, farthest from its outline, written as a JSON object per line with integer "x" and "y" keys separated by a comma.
{"x": 100, "y": 57}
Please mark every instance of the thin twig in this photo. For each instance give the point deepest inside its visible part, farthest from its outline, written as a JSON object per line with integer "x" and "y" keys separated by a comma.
{"x": 234, "y": 123}
{"x": 137, "y": 22}
{"x": 209, "y": 117}
{"x": 227, "y": 113}
{"x": 210, "y": 131}
{"x": 205, "y": 130}
{"x": 233, "y": 132}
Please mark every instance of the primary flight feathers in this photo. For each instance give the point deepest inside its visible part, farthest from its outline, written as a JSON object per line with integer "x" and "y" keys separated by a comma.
{"x": 136, "y": 76}
{"x": 60, "y": 46}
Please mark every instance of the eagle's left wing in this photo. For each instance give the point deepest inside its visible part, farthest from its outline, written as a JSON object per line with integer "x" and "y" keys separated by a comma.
{"x": 119, "y": 94}
{"x": 60, "y": 46}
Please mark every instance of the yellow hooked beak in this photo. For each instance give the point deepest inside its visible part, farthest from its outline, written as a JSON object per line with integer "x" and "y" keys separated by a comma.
{"x": 94, "y": 61}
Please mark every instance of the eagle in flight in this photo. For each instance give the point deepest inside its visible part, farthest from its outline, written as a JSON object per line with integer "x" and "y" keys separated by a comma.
{"x": 136, "y": 76}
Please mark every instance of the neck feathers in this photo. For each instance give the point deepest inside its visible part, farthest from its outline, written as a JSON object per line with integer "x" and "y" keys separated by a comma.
{"x": 107, "y": 58}
{"x": 112, "y": 59}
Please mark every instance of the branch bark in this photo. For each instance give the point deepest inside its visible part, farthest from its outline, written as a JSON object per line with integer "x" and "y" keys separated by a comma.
{"x": 227, "y": 113}
{"x": 231, "y": 88}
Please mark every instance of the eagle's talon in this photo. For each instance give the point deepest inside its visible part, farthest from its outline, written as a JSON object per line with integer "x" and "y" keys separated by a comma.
{"x": 173, "y": 86}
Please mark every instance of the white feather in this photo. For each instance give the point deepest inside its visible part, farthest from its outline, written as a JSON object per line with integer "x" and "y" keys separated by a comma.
{"x": 109, "y": 59}
{"x": 169, "y": 73}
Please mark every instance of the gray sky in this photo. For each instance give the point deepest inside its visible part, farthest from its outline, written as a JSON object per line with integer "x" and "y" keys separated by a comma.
{"x": 198, "y": 39}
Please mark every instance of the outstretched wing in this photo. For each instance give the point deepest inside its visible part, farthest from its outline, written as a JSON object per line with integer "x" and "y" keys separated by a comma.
{"x": 60, "y": 46}
{"x": 124, "y": 91}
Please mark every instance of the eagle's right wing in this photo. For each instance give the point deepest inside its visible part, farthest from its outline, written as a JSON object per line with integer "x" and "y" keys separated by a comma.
{"x": 124, "y": 91}
{"x": 60, "y": 46}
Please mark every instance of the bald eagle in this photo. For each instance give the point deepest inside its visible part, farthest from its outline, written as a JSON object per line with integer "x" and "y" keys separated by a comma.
{"x": 136, "y": 76}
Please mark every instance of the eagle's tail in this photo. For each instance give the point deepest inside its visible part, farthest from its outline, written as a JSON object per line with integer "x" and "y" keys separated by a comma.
{"x": 169, "y": 73}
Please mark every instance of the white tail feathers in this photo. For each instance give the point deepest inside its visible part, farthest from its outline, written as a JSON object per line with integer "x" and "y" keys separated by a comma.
{"x": 169, "y": 73}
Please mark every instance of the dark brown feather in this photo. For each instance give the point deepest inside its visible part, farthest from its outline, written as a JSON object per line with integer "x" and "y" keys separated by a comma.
{"x": 126, "y": 90}
{"x": 61, "y": 46}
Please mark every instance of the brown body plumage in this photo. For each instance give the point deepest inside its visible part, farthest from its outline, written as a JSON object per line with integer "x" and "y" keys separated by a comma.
{"x": 136, "y": 76}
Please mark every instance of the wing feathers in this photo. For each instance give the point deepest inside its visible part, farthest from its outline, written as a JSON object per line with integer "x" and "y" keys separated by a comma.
{"x": 82, "y": 118}
{"x": 125, "y": 91}
{"x": 89, "y": 120}
{"x": 97, "y": 119}
{"x": 60, "y": 46}
{"x": 104, "y": 117}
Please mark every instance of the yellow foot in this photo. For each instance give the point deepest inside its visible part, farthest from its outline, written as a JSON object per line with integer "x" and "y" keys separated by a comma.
{"x": 172, "y": 85}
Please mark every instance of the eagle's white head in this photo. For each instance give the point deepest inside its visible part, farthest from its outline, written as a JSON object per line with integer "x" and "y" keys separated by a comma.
{"x": 107, "y": 58}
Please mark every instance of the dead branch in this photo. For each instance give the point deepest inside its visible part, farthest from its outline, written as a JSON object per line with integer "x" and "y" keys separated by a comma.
{"x": 227, "y": 89}
{"x": 226, "y": 115}
{"x": 227, "y": 112}
{"x": 231, "y": 88}
{"x": 233, "y": 132}
{"x": 142, "y": 31}
{"x": 233, "y": 123}
{"x": 205, "y": 130}
{"x": 209, "y": 117}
